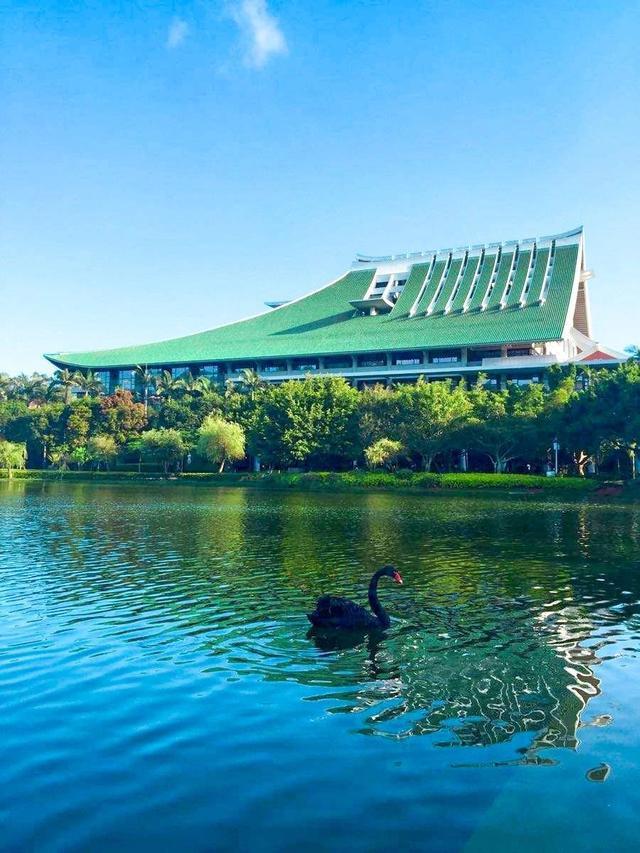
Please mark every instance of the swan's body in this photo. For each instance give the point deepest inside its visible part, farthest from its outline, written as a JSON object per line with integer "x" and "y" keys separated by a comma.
{"x": 334, "y": 612}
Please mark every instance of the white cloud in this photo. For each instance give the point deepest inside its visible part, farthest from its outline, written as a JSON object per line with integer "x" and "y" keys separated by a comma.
{"x": 264, "y": 38}
{"x": 178, "y": 31}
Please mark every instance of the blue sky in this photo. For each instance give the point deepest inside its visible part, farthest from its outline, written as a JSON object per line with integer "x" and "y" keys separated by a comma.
{"x": 167, "y": 167}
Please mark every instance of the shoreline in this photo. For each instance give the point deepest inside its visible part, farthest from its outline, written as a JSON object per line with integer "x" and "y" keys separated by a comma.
{"x": 361, "y": 481}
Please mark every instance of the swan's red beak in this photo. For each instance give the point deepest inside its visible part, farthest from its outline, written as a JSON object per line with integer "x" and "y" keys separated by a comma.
{"x": 397, "y": 577}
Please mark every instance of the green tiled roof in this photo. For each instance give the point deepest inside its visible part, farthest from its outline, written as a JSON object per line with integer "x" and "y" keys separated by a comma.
{"x": 411, "y": 290}
{"x": 537, "y": 280}
{"x": 483, "y": 282}
{"x": 465, "y": 284}
{"x": 447, "y": 287}
{"x": 501, "y": 280}
{"x": 519, "y": 279}
{"x": 432, "y": 284}
{"x": 325, "y": 323}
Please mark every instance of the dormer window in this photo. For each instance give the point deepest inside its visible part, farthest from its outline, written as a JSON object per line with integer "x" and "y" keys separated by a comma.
{"x": 379, "y": 285}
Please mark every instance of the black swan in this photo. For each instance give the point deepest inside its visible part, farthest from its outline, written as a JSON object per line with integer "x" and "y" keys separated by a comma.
{"x": 332, "y": 612}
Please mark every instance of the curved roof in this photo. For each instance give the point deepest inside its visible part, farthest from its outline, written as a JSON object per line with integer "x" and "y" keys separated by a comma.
{"x": 520, "y": 291}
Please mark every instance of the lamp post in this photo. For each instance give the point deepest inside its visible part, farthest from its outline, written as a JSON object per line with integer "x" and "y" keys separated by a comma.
{"x": 556, "y": 448}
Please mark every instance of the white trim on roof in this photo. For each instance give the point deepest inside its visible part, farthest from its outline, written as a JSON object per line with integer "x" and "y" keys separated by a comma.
{"x": 568, "y": 324}
{"x": 566, "y": 238}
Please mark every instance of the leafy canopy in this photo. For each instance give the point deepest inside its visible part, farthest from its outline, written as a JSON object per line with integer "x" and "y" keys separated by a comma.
{"x": 221, "y": 441}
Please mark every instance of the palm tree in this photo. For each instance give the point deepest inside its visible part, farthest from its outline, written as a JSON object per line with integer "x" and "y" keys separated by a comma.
{"x": 64, "y": 380}
{"x": 22, "y": 387}
{"x": 211, "y": 385}
{"x": 148, "y": 381}
{"x": 251, "y": 382}
{"x": 634, "y": 352}
{"x": 90, "y": 384}
{"x": 195, "y": 384}
{"x": 38, "y": 387}
{"x": 6, "y": 386}
{"x": 167, "y": 385}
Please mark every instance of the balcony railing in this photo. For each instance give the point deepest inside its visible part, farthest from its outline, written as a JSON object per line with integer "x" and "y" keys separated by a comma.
{"x": 531, "y": 361}
{"x": 400, "y": 370}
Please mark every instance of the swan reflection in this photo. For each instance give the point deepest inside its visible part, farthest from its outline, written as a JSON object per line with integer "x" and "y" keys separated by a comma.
{"x": 463, "y": 688}
{"x": 335, "y": 640}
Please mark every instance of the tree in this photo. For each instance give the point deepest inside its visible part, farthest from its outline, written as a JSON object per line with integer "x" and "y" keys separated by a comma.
{"x": 60, "y": 456}
{"x": 613, "y": 406}
{"x": 121, "y": 416}
{"x": 243, "y": 406}
{"x": 5, "y": 386}
{"x": 383, "y": 453}
{"x": 90, "y": 384}
{"x": 12, "y": 455}
{"x": 78, "y": 456}
{"x": 251, "y": 382}
{"x": 147, "y": 381}
{"x": 502, "y": 424}
{"x": 41, "y": 428}
{"x": 195, "y": 385}
{"x": 379, "y": 414}
{"x": 77, "y": 422}
{"x": 163, "y": 445}
{"x": 31, "y": 389}
{"x": 221, "y": 441}
{"x": 187, "y": 413}
{"x": 168, "y": 386}
{"x": 430, "y": 414}
{"x": 10, "y": 412}
{"x": 311, "y": 422}
{"x": 577, "y": 430}
{"x": 101, "y": 450}
{"x": 64, "y": 380}
{"x": 566, "y": 415}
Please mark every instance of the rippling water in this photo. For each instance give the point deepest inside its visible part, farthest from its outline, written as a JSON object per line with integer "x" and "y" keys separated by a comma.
{"x": 159, "y": 690}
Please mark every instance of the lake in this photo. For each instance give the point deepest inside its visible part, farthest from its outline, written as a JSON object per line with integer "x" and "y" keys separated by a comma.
{"x": 159, "y": 690}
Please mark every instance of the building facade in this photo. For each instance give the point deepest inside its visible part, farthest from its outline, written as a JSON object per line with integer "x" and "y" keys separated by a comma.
{"x": 508, "y": 310}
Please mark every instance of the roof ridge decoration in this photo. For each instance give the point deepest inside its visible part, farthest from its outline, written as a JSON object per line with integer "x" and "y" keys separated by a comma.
{"x": 472, "y": 249}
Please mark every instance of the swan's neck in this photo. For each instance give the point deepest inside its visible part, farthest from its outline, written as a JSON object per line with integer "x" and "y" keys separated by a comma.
{"x": 374, "y": 602}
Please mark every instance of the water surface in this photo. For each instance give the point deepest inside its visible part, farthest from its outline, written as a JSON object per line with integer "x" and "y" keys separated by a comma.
{"x": 159, "y": 690}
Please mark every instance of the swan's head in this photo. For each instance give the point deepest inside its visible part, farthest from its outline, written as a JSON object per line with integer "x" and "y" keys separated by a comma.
{"x": 393, "y": 573}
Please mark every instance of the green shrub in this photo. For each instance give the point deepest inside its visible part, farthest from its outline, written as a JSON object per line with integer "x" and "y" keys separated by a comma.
{"x": 416, "y": 481}
{"x": 383, "y": 453}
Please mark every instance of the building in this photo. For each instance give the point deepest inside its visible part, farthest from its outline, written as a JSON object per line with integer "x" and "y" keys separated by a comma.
{"x": 508, "y": 310}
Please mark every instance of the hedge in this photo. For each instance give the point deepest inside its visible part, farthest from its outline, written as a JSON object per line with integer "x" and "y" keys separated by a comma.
{"x": 336, "y": 481}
